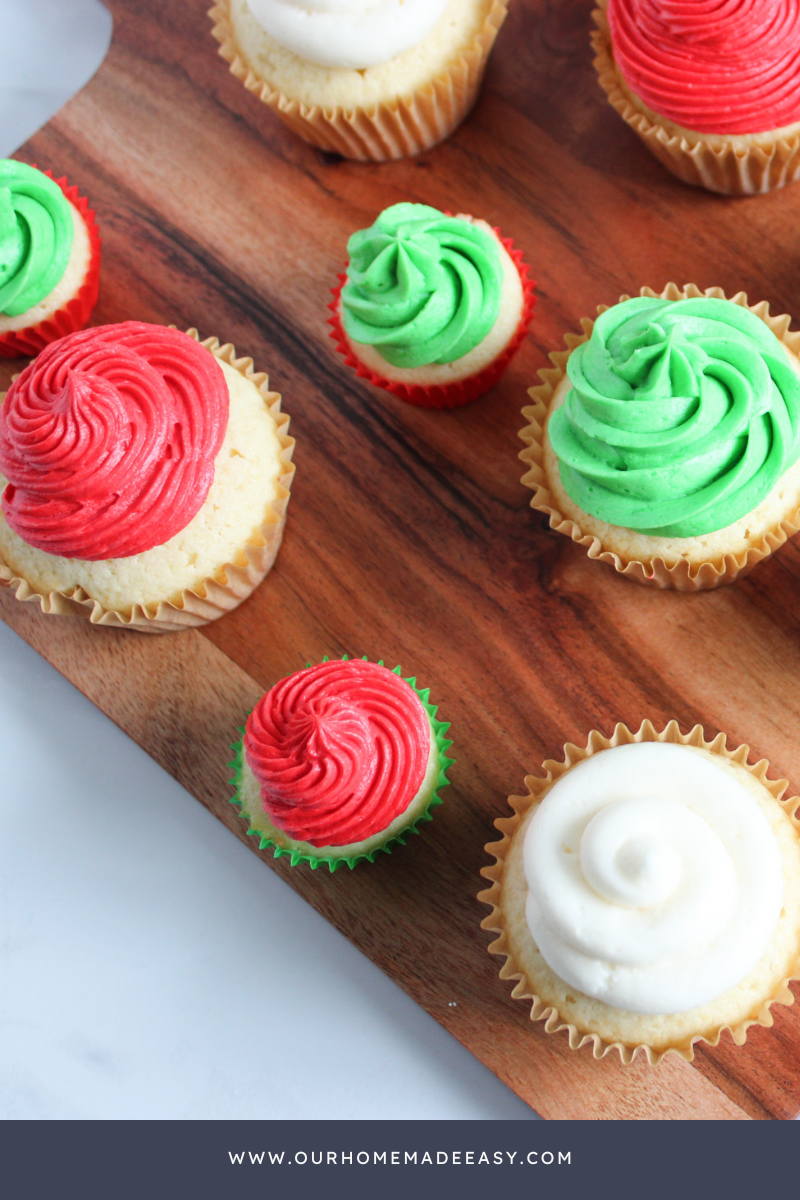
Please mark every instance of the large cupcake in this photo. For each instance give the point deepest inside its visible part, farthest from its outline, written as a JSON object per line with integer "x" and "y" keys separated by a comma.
{"x": 646, "y": 893}
{"x": 666, "y": 440}
{"x": 49, "y": 259}
{"x": 339, "y": 762}
{"x": 369, "y": 80}
{"x": 433, "y": 307}
{"x": 144, "y": 478}
{"x": 713, "y": 90}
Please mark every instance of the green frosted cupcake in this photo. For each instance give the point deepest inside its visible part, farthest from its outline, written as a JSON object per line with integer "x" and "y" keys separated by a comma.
{"x": 667, "y": 439}
{"x": 339, "y": 761}
{"x": 49, "y": 259}
{"x": 433, "y": 307}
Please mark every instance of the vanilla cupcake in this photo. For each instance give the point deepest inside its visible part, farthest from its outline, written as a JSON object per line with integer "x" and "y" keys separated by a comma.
{"x": 340, "y": 762}
{"x": 713, "y": 90}
{"x": 667, "y": 439}
{"x": 647, "y": 893}
{"x": 368, "y": 80}
{"x": 49, "y": 259}
{"x": 432, "y": 307}
{"x": 144, "y": 478}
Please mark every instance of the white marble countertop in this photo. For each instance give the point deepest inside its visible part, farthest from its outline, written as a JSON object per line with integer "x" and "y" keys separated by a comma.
{"x": 150, "y": 966}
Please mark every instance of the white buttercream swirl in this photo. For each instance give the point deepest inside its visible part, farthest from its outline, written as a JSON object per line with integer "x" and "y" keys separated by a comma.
{"x": 348, "y": 33}
{"x": 654, "y": 879}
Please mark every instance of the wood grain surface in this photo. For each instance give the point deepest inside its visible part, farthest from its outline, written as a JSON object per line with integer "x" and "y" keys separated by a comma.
{"x": 409, "y": 535}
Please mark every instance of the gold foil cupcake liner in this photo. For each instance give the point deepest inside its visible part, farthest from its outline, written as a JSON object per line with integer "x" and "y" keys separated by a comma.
{"x": 215, "y": 595}
{"x": 682, "y": 576}
{"x": 717, "y": 163}
{"x": 495, "y": 923}
{"x": 404, "y": 126}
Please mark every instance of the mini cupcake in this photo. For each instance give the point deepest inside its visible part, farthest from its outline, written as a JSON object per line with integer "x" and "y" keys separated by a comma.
{"x": 433, "y": 307}
{"x": 339, "y": 762}
{"x": 144, "y": 478}
{"x": 370, "y": 81}
{"x": 666, "y": 440}
{"x": 647, "y": 893}
{"x": 713, "y": 90}
{"x": 49, "y": 259}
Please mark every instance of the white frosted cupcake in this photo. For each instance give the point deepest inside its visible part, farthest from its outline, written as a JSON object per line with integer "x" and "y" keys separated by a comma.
{"x": 369, "y": 80}
{"x": 145, "y": 478}
{"x": 647, "y": 893}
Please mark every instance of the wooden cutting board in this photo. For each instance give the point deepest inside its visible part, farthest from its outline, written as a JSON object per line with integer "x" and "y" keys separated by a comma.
{"x": 409, "y": 535}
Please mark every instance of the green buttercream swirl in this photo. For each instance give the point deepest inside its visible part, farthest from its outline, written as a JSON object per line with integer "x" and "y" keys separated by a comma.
{"x": 682, "y": 416}
{"x": 36, "y": 233}
{"x": 422, "y": 287}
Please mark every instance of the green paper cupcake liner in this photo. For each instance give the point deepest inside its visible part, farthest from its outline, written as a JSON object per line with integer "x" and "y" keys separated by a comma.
{"x": 295, "y": 856}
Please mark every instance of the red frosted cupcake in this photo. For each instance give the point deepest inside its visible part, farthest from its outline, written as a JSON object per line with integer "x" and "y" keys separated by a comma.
{"x": 340, "y": 761}
{"x": 712, "y": 89}
{"x": 144, "y": 478}
{"x": 433, "y": 307}
{"x": 49, "y": 259}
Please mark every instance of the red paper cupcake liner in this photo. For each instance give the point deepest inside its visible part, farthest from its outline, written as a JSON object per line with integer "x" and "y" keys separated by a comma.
{"x": 76, "y": 312}
{"x": 463, "y": 391}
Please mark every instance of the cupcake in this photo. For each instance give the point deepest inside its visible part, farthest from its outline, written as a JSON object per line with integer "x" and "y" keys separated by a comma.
{"x": 49, "y": 259}
{"x": 713, "y": 90}
{"x": 339, "y": 762}
{"x": 646, "y": 893}
{"x": 666, "y": 440}
{"x": 432, "y": 307}
{"x": 144, "y": 478}
{"x": 369, "y": 80}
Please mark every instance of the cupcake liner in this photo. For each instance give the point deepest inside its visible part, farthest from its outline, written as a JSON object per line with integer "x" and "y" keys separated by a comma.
{"x": 76, "y": 312}
{"x": 215, "y": 596}
{"x": 711, "y": 161}
{"x": 492, "y": 896}
{"x": 404, "y": 126}
{"x": 439, "y": 728}
{"x": 683, "y": 575}
{"x": 463, "y": 391}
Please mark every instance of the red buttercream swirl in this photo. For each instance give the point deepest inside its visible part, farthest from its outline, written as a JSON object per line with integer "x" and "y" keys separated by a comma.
{"x": 108, "y": 440}
{"x": 713, "y": 66}
{"x": 340, "y": 751}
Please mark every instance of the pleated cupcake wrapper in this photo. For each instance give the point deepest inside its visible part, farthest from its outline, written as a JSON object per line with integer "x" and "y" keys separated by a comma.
{"x": 76, "y": 312}
{"x": 214, "y": 596}
{"x": 462, "y": 391}
{"x": 705, "y": 160}
{"x": 296, "y": 856}
{"x": 493, "y": 896}
{"x": 683, "y": 576}
{"x": 398, "y": 128}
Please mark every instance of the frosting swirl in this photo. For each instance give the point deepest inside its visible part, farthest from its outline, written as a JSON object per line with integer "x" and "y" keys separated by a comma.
{"x": 683, "y": 415}
{"x": 713, "y": 66}
{"x": 36, "y": 232}
{"x": 422, "y": 287}
{"x": 340, "y": 750}
{"x": 654, "y": 878}
{"x": 348, "y": 33}
{"x": 108, "y": 440}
